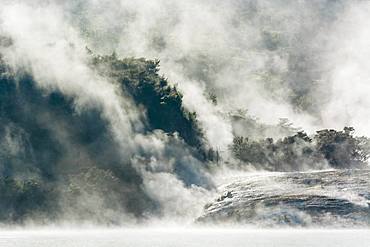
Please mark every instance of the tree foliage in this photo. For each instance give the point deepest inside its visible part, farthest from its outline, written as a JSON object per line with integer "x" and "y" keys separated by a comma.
{"x": 23, "y": 199}
{"x": 339, "y": 149}
{"x": 54, "y": 158}
{"x": 139, "y": 78}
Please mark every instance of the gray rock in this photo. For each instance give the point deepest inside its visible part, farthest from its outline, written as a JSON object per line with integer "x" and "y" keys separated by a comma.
{"x": 337, "y": 198}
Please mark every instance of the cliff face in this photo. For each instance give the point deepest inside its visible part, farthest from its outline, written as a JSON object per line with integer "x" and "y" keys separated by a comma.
{"x": 326, "y": 198}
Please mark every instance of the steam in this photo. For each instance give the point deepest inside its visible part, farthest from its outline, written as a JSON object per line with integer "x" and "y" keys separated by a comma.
{"x": 54, "y": 45}
{"x": 301, "y": 60}
{"x": 261, "y": 56}
{"x": 348, "y": 75}
{"x": 45, "y": 44}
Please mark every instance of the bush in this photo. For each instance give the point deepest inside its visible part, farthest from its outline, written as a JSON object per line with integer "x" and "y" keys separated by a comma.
{"x": 340, "y": 149}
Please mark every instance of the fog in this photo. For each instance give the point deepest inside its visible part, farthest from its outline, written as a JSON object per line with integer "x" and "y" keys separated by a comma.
{"x": 186, "y": 237}
{"x": 276, "y": 59}
{"x": 305, "y": 61}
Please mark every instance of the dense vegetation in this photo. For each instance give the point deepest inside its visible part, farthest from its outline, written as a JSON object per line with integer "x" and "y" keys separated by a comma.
{"x": 54, "y": 158}
{"x": 337, "y": 149}
{"x": 162, "y": 102}
{"x": 24, "y": 199}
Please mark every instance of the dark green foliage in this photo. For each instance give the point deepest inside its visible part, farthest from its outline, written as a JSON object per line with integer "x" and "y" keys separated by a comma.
{"x": 249, "y": 151}
{"x": 163, "y": 102}
{"x": 53, "y": 144}
{"x": 289, "y": 153}
{"x": 20, "y": 200}
{"x": 57, "y": 162}
{"x": 340, "y": 149}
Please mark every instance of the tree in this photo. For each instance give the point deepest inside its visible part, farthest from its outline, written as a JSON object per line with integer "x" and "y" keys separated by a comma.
{"x": 340, "y": 148}
{"x": 139, "y": 78}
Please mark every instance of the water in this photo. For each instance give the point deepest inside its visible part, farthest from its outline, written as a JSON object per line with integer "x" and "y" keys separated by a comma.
{"x": 185, "y": 238}
{"x": 332, "y": 198}
{"x": 340, "y": 198}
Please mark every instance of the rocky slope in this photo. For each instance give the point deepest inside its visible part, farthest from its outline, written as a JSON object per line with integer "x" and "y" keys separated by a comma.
{"x": 336, "y": 198}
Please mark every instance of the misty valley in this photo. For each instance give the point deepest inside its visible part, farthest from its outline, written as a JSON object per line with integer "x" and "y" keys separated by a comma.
{"x": 197, "y": 123}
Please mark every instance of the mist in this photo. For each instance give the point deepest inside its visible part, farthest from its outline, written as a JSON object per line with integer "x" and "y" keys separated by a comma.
{"x": 254, "y": 69}
{"x": 264, "y": 57}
